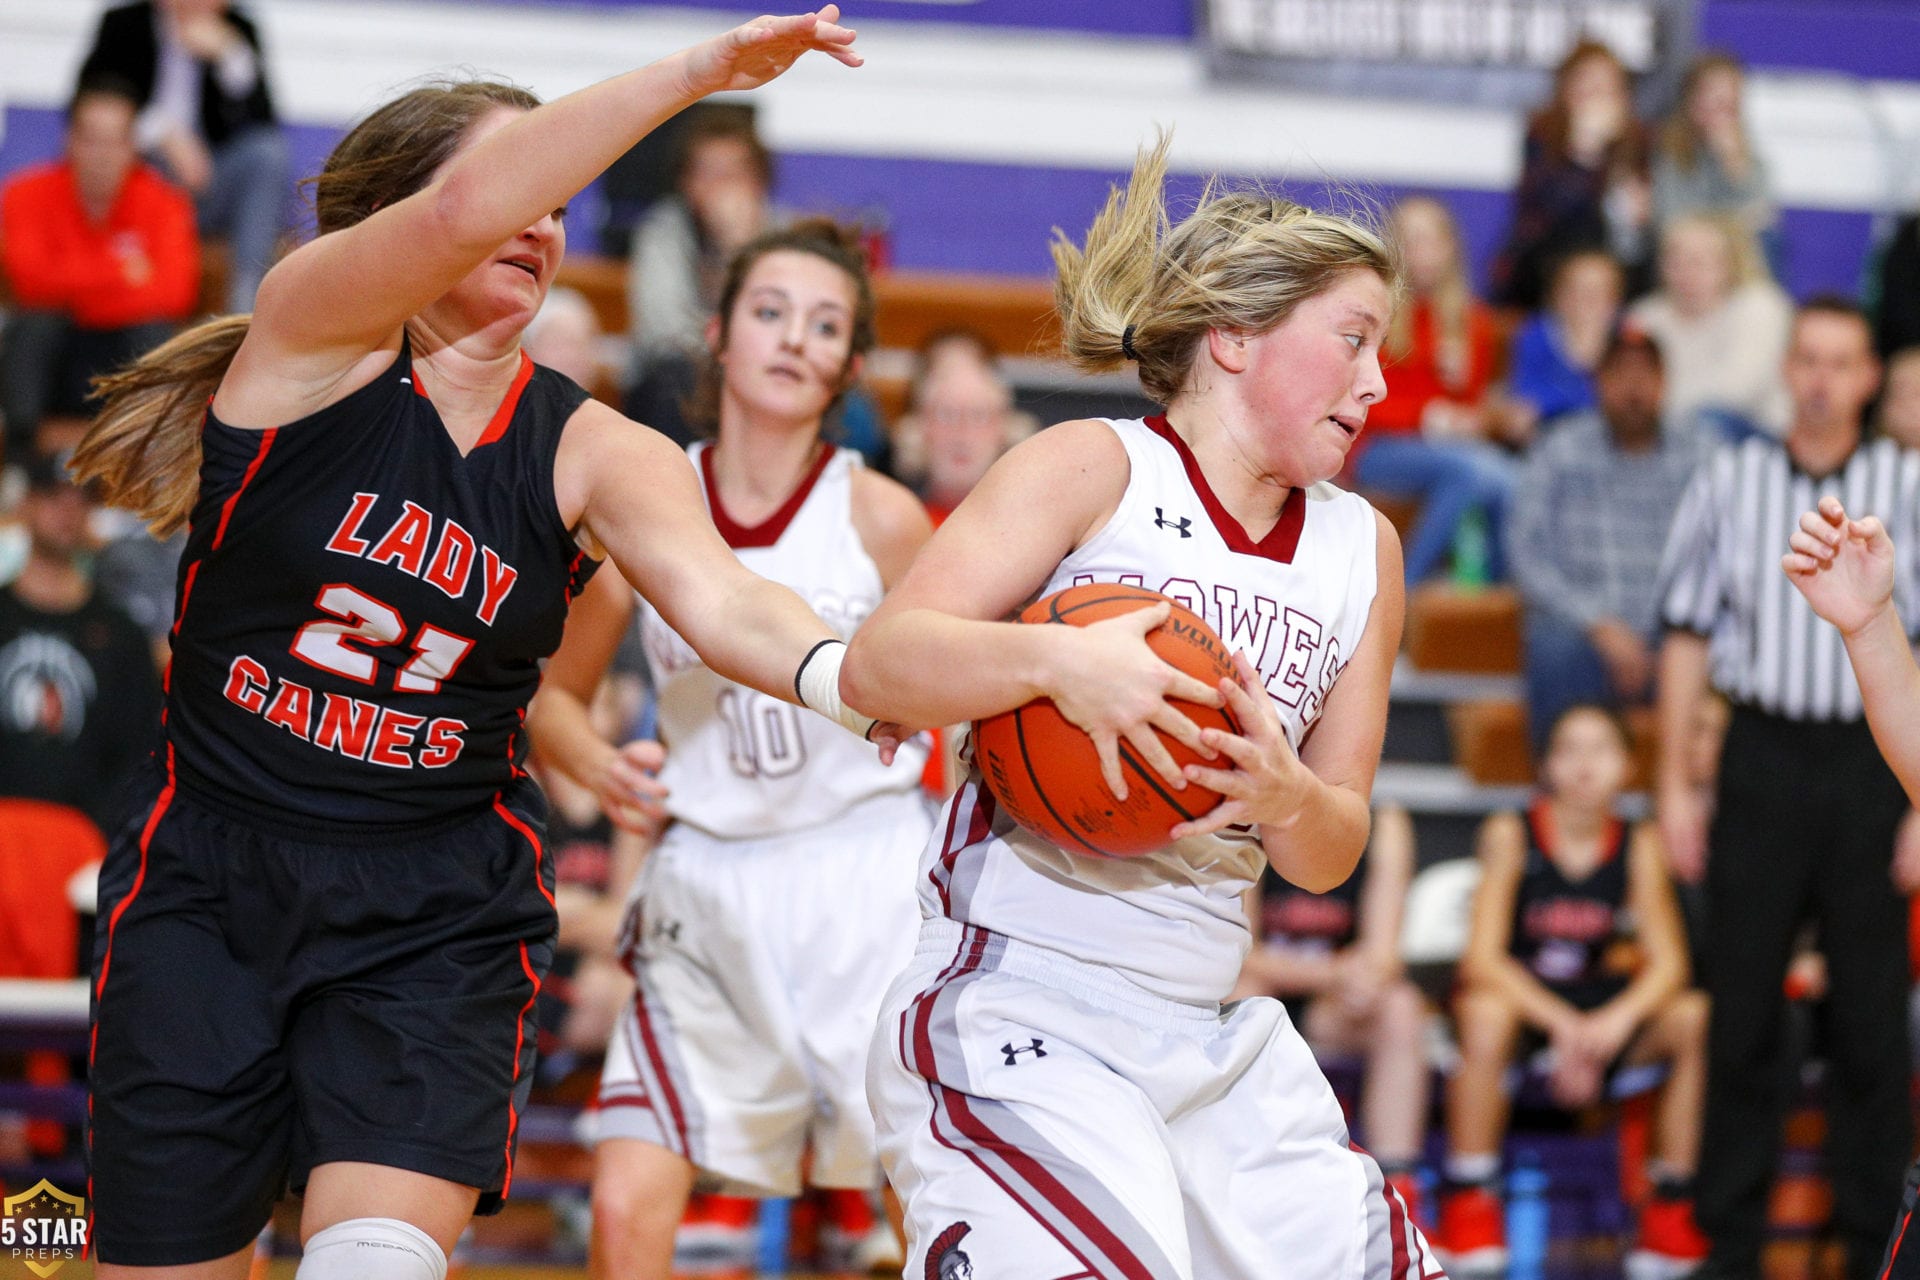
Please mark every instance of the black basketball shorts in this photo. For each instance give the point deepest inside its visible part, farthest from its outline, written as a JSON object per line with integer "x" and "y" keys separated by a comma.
{"x": 264, "y": 1004}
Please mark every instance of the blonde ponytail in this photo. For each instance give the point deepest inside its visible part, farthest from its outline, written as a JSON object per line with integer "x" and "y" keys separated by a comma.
{"x": 144, "y": 447}
{"x": 1146, "y": 289}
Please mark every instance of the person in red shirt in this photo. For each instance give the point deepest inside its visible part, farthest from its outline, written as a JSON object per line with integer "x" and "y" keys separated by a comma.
{"x": 1432, "y": 437}
{"x": 100, "y": 260}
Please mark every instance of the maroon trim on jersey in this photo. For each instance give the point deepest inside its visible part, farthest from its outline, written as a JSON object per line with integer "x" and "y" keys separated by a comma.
{"x": 1036, "y": 1179}
{"x": 1397, "y": 1233}
{"x": 1281, "y": 541}
{"x": 768, "y": 531}
{"x": 159, "y": 811}
{"x": 503, "y": 416}
{"x": 253, "y": 469}
{"x": 1540, "y": 820}
{"x": 675, "y": 1114}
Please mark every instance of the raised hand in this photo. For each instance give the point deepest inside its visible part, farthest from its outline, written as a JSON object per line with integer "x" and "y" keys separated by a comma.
{"x": 1843, "y": 567}
{"x": 1114, "y": 686}
{"x": 752, "y": 54}
{"x": 1267, "y": 782}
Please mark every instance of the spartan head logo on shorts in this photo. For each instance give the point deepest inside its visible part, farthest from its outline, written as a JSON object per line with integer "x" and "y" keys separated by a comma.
{"x": 945, "y": 1260}
{"x": 43, "y": 1227}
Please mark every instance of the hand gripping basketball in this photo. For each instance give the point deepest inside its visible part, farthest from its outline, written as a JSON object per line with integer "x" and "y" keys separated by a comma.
{"x": 1267, "y": 783}
{"x": 1095, "y": 767}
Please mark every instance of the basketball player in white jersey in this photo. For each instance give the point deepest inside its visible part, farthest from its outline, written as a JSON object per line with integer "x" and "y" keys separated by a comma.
{"x": 779, "y": 903}
{"x": 1059, "y": 1091}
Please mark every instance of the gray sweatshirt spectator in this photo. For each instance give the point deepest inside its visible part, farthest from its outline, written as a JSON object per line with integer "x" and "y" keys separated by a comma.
{"x": 1588, "y": 524}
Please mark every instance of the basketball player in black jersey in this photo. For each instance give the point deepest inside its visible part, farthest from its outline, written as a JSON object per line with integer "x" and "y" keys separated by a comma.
{"x": 322, "y": 941}
{"x": 1576, "y": 942}
{"x": 1845, "y": 569}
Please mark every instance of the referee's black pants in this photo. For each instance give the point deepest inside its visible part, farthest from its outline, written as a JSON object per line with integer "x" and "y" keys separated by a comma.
{"x": 1804, "y": 829}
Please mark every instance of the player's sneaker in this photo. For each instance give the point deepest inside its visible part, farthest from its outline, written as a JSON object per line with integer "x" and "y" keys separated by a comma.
{"x": 853, "y": 1238}
{"x": 717, "y": 1227}
{"x": 1670, "y": 1245}
{"x": 1472, "y": 1239}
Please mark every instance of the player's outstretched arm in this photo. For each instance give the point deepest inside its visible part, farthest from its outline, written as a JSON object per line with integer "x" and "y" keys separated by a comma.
{"x": 1844, "y": 568}
{"x": 634, "y": 491}
{"x": 349, "y": 291}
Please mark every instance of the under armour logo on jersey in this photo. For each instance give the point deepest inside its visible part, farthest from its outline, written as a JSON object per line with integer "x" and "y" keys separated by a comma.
{"x": 1013, "y": 1054}
{"x": 1179, "y": 526}
{"x": 668, "y": 929}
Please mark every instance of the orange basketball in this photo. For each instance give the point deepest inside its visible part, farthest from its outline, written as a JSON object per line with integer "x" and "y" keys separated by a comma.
{"x": 1045, "y": 772}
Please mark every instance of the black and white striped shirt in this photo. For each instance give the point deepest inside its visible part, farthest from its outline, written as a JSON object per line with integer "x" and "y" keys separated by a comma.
{"x": 1721, "y": 577}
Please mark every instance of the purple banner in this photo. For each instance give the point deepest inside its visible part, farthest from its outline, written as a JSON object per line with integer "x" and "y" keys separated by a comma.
{"x": 1874, "y": 38}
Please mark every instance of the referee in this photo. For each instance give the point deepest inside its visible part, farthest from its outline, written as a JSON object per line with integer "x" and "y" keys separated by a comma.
{"x": 1805, "y": 812}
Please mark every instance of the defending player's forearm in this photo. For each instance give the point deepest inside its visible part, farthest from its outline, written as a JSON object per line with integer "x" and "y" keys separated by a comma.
{"x": 537, "y": 163}
{"x": 1004, "y": 665}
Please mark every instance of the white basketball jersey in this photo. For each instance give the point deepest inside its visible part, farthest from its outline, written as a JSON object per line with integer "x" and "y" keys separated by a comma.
{"x": 739, "y": 763}
{"x": 1296, "y": 602}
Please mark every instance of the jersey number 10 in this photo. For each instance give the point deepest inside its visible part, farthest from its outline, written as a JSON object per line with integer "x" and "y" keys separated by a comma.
{"x": 763, "y": 734}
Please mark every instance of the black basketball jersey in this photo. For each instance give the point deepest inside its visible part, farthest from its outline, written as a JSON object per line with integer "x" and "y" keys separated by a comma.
{"x": 361, "y": 611}
{"x": 1575, "y": 936}
{"x": 1318, "y": 923}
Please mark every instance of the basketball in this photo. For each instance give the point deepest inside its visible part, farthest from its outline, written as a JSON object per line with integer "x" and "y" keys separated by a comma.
{"x": 1045, "y": 772}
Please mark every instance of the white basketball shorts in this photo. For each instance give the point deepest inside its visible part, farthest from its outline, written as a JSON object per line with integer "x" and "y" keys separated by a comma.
{"x": 759, "y": 968}
{"x": 1046, "y": 1119}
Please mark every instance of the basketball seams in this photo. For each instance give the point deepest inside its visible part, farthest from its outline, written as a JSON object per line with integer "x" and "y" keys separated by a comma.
{"x": 1152, "y": 779}
{"x": 1033, "y": 777}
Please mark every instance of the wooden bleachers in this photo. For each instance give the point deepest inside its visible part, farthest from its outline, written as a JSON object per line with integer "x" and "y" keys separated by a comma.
{"x": 1014, "y": 313}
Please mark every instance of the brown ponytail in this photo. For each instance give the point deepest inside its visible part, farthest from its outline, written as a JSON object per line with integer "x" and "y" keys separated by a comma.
{"x": 144, "y": 447}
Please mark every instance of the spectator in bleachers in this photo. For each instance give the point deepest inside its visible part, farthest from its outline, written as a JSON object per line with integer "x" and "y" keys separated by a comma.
{"x": 1705, "y": 161}
{"x": 1583, "y": 182}
{"x": 1334, "y": 959}
{"x": 206, "y": 114}
{"x": 722, "y": 199}
{"x": 100, "y": 258}
{"x": 1722, "y": 323}
{"x": 79, "y": 699}
{"x": 1550, "y": 374}
{"x": 1576, "y": 946}
{"x": 1899, "y": 417}
{"x": 1589, "y": 523}
{"x": 1430, "y": 438}
{"x": 1805, "y": 814}
{"x": 960, "y": 418}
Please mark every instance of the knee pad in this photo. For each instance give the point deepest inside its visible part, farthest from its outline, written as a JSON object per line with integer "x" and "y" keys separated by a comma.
{"x": 372, "y": 1249}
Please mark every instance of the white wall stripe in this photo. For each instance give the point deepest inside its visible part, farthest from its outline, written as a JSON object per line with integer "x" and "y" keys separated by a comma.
{"x": 990, "y": 95}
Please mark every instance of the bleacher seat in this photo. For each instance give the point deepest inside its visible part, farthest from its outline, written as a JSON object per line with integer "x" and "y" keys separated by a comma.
{"x": 1463, "y": 629}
